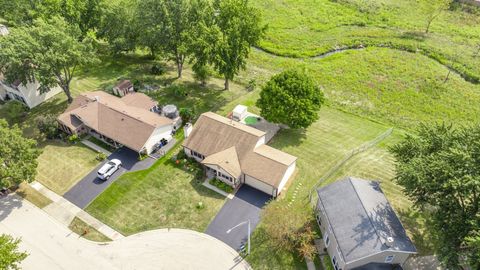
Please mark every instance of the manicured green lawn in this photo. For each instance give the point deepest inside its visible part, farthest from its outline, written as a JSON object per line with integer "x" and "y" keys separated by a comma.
{"x": 62, "y": 165}
{"x": 162, "y": 196}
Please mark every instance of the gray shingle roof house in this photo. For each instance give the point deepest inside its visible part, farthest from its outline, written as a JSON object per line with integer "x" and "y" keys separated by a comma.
{"x": 360, "y": 228}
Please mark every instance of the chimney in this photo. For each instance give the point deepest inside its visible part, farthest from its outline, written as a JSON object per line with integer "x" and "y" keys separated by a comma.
{"x": 187, "y": 129}
{"x": 97, "y": 98}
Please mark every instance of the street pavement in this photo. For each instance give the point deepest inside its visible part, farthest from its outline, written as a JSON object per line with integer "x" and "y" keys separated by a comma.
{"x": 53, "y": 246}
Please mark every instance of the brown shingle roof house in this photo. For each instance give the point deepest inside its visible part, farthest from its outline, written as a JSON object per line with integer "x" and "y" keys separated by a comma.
{"x": 236, "y": 153}
{"x": 117, "y": 121}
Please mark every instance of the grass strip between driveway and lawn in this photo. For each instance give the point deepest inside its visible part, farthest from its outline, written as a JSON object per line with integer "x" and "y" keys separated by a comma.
{"x": 86, "y": 231}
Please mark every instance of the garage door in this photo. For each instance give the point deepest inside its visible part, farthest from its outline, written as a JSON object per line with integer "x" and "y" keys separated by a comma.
{"x": 253, "y": 182}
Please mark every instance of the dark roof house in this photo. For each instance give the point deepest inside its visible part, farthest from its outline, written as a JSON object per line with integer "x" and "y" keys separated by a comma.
{"x": 360, "y": 227}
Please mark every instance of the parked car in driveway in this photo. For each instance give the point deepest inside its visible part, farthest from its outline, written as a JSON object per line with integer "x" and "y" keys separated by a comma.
{"x": 108, "y": 169}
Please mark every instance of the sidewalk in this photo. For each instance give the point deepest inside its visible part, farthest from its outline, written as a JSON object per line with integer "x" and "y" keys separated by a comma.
{"x": 214, "y": 188}
{"x": 64, "y": 211}
{"x": 95, "y": 147}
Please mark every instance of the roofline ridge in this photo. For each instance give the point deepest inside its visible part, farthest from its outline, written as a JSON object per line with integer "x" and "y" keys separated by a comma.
{"x": 363, "y": 206}
{"x": 123, "y": 113}
{"x": 272, "y": 158}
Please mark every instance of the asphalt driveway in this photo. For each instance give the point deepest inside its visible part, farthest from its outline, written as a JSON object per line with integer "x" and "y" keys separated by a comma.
{"x": 246, "y": 205}
{"x": 87, "y": 189}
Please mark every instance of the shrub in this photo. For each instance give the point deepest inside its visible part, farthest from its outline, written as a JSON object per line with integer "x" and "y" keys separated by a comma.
{"x": 73, "y": 138}
{"x": 221, "y": 185}
{"x": 158, "y": 69}
{"x": 48, "y": 125}
{"x": 200, "y": 205}
{"x": 186, "y": 114}
{"x": 101, "y": 156}
{"x": 202, "y": 73}
{"x": 252, "y": 84}
{"x": 177, "y": 90}
{"x": 15, "y": 110}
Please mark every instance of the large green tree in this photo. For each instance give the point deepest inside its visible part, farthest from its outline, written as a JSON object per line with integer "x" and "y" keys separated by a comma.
{"x": 83, "y": 13}
{"x": 439, "y": 170}
{"x": 291, "y": 98}
{"x": 10, "y": 257}
{"x": 18, "y": 156}
{"x": 166, "y": 25}
{"x": 239, "y": 27}
{"x": 48, "y": 52}
{"x": 118, "y": 26}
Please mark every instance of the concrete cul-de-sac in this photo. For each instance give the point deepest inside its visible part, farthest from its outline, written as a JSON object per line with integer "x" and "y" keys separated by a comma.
{"x": 51, "y": 245}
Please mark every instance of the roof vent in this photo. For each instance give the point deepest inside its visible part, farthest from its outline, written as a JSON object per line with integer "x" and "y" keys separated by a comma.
{"x": 389, "y": 241}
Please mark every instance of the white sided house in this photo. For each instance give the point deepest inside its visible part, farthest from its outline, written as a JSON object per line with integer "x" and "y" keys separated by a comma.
{"x": 236, "y": 154}
{"x": 28, "y": 94}
{"x": 360, "y": 228}
{"x": 129, "y": 121}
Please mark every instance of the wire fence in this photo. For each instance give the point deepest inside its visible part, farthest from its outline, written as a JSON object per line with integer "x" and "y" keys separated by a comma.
{"x": 364, "y": 147}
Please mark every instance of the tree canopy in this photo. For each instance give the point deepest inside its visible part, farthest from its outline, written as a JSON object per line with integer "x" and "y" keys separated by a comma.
{"x": 291, "y": 98}
{"x": 84, "y": 14}
{"x": 239, "y": 28}
{"x": 18, "y": 156}
{"x": 166, "y": 24}
{"x": 47, "y": 51}
{"x": 439, "y": 170}
{"x": 118, "y": 26}
{"x": 10, "y": 257}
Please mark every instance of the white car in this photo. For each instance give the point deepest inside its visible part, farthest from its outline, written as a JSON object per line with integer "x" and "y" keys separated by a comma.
{"x": 109, "y": 168}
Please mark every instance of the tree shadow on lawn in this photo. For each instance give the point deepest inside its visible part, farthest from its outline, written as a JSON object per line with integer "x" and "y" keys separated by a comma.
{"x": 289, "y": 137}
{"x": 414, "y": 222}
{"x": 199, "y": 99}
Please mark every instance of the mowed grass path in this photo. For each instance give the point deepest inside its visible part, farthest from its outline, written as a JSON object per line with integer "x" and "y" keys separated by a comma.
{"x": 62, "y": 165}
{"x": 162, "y": 196}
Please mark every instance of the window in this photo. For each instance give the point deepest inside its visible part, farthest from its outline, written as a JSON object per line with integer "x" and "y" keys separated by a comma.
{"x": 389, "y": 258}
{"x": 335, "y": 263}
{"x": 319, "y": 219}
{"x": 198, "y": 155}
{"x": 327, "y": 240}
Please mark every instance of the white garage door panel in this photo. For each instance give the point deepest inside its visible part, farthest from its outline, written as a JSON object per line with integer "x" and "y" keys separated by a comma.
{"x": 253, "y": 182}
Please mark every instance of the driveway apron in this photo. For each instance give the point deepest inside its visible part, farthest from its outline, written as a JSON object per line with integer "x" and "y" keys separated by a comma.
{"x": 246, "y": 205}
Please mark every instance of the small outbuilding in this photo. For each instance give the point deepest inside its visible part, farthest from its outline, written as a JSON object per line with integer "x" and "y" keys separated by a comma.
{"x": 360, "y": 228}
{"x": 3, "y": 30}
{"x": 123, "y": 87}
{"x": 239, "y": 112}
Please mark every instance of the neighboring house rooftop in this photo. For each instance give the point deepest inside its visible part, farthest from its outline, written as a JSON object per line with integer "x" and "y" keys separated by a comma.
{"x": 362, "y": 219}
{"x": 233, "y": 146}
{"x": 112, "y": 117}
